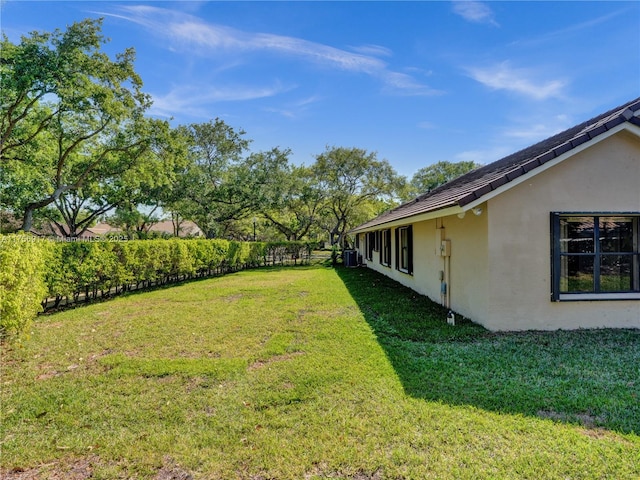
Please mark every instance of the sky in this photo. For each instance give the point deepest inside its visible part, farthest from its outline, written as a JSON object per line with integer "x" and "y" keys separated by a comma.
{"x": 416, "y": 82}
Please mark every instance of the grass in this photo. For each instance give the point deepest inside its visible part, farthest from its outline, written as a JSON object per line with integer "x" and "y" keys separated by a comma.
{"x": 310, "y": 373}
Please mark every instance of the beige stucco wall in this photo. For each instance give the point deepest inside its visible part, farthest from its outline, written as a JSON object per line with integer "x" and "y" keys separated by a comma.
{"x": 603, "y": 178}
{"x": 466, "y": 272}
{"x": 500, "y": 266}
{"x": 469, "y": 281}
{"x": 426, "y": 267}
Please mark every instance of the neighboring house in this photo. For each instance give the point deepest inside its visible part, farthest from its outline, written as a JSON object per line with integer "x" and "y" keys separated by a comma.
{"x": 51, "y": 229}
{"x": 546, "y": 238}
{"x": 187, "y": 228}
{"x": 103, "y": 230}
{"x": 100, "y": 230}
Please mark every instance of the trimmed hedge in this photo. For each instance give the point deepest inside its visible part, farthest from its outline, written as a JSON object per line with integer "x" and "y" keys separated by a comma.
{"x": 22, "y": 262}
{"x": 37, "y": 274}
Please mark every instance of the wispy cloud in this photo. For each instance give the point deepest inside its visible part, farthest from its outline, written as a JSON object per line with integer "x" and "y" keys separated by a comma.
{"x": 475, "y": 12}
{"x": 534, "y": 132}
{"x": 539, "y": 124}
{"x": 519, "y": 80}
{"x": 193, "y": 100}
{"x": 519, "y": 133}
{"x": 296, "y": 109}
{"x": 187, "y": 32}
{"x": 555, "y": 35}
{"x": 403, "y": 84}
{"x": 375, "y": 50}
{"x": 483, "y": 156}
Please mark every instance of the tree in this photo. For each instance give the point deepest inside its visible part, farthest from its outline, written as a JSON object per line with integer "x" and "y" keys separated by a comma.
{"x": 76, "y": 211}
{"x": 294, "y": 207}
{"x": 221, "y": 185}
{"x": 145, "y": 191}
{"x": 203, "y": 189}
{"x": 431, "y": 177}
{"x": 352, "y": 178}
{"x": 70, "y": 116}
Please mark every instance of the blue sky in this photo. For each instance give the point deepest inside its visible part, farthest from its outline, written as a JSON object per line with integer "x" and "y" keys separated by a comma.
{"x": 416, "y": 82}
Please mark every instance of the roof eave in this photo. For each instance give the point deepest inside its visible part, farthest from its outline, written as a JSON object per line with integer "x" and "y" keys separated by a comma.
{"x": 419, "y": 217}
{"x": 515, "y": 177}
{"x": 472, "y": 200}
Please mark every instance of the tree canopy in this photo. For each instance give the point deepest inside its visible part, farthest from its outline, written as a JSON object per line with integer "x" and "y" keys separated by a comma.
{"x": 433, "y": 176}
{"x": 70, "y": 116}
{"x": 352, "y": 178}
{"x": 76, "y": 146}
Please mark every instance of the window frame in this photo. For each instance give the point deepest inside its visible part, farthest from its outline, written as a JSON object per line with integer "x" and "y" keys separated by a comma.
{"x": 399, "y": 248}
{"x": 370, "y": 245}
{"x": 597, "y": 255}
{"x": 385, "y": 247}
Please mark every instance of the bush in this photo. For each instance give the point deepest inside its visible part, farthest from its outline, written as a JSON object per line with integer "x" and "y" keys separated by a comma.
{"x": 35, "y": 272}
{"x": 22, "y": 287}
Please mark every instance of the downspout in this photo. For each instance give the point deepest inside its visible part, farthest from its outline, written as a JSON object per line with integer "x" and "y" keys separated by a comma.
{"x": 443, "y": 249}
{"x": 447, "y": 272}
{"x": 446, "y": 266}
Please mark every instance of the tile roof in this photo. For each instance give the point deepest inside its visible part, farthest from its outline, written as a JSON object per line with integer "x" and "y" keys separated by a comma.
{"x": 483, "y": 180}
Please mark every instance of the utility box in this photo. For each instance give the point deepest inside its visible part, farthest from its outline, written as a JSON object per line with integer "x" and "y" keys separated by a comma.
{"x": 350, "y": 258}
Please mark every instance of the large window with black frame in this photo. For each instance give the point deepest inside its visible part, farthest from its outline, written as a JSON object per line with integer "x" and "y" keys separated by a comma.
{"x": 595, "y": 255}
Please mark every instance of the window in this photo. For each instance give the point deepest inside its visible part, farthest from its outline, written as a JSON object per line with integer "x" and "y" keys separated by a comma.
{"x": 385, "y": 250}
{"x": 371, "y": 238}
{"x": 595, "y": 256}
{"x": 404, "y": 249}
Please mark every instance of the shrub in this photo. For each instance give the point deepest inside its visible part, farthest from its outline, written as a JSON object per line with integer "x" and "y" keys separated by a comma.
{"x": 22, "y": 287}
{"x": 34, "y": 272}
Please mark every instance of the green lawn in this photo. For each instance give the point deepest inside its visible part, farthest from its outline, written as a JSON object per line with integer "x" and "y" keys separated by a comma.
{"x": 311, "y": 372}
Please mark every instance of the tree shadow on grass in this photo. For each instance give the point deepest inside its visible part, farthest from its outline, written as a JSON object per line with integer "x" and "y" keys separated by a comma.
{"x": 587, "y": 377}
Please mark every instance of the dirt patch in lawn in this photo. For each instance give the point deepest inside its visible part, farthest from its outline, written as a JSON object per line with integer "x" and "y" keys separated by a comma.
{"x": 71, "y": 469}
{"x": 585, "y": 419}
{"x": 276, "y": 358}
{"x": 83, "y": 469}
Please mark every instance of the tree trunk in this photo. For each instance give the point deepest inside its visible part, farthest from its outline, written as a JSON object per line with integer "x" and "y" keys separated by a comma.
{"x": 27, "y": 219}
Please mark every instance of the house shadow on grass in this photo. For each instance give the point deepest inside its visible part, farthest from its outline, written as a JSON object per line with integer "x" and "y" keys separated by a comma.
{"x": 586, "y": 377}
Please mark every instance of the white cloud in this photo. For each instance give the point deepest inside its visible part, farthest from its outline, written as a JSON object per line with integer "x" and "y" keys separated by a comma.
{"x": 476, "y": 12}
{"x": 483, "y": 157}
{"x": 517, "y": 135}
{"x": 192, "y": 34}
{"x": 556, "y": 35}
{"x": 535, "y": 132}
{"x": 192, "y": 100}
{"x": 402, "y": 83}
{"x": 296, "y": 109}
{"x": 523, "y": 81}
{"x": 376, "y": 50}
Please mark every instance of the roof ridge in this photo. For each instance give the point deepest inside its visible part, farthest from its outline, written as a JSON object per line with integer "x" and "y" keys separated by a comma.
{"x": 479, "y": 182}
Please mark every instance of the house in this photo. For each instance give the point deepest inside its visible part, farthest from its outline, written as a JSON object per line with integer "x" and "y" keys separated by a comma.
{"x": 186, "y": 228}
{"x": 166, "y": 228}
{"x": 100, "y": 230}
{"x": 546, "y": 238}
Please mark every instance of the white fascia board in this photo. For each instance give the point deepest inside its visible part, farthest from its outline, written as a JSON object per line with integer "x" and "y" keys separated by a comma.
{"x": 552, "y": 163}
{"x": 420, "y": 217}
